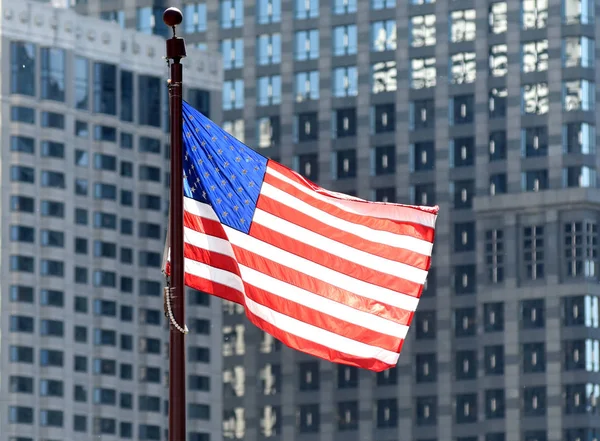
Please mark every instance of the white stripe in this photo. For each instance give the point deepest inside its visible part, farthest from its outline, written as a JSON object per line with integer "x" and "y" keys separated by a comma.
{"x": 338, "y": 249}
{"x": 197, "y": 208}
{"x": 217, "y": 275}
{"x": 208, "y": 242}
{"x": 289, "y": 324}
{"x": 326, "y": 275}
{"x": 306, "y": 298}
{"x": 321, "y": 336}
{"x": 386, "y": 211}
{"x": 384, "y": 237}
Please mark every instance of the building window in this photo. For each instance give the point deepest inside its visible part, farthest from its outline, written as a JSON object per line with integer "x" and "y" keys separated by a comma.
{"x": 345, "y": 81}
{"x": 422, "y": 30}
{"x": 347, "y": 377}
{"x": 493, "y": 317}
{"x": 497, "y": 184}
{"x": 582, "y": 355}
{"x": 194, "y": 18}
{"x": 344, "y": 121}
{"x": 344, "y": 164}
{"x": 497, "y": 102}
{"x": 581, "y": 399}
{"x": 532, "y": 314}
{"x": 387, "y": 413}
{"x": 423, "y": 194}
{"x": 578, "y": 11}
{"x": 579, "y": 176}
{"x": 462, "y": 194}
{"x": 534, "y": 141}
{"x": 463, "y": 68}
{"x": 306, "y": 9}
{"x": 269, "y": 91}
{"x": 422, "y": 156}
{"x": 309, "y": 418}
{"x": 149, "y": 100}
{"x": 307, "y": 45}
{"x": 344, "y": 40}
{"x": 493, "y": 360}
{"x": 534, "y": 99}
{"x": 533, "y": 252}
{"x": 497, "y": 145}
{"x": 383, "y": 4}
{"x": 268, "y": 49}
{"x": 581, "y": 311}
{"x": 347, "y": 415}
{"x": 268, "y": 131}
{"x": 462, "y": 152}
{"x": 581, "y": 249}
{"x": 534, "y": 15}
{"x": 466, "y": 408}
{"x": 578, "y": 51}
{"x": 579, "y": 137}
{"x": 383, "y": 77}
{"x": 383, "y": 160}
{"x": 344, "y": 7}
{"x": 422, "y": 114}
{"x": 495, "y": 404}
{"x": 306, "y": 85}
{"x": 534, "y": 357}
{"x": 425, "y": 323}
{"x": 464, "y": 236}
{"x": 383, "y": 36}
{"x": 534, "y": 180}
{"x": 22, "y": 114}
{"x": 465, "y": 322}
{"x": 494, "y": 255}
{"x": 534, "y": 401}
{"x": 22, "y": 68}
{"x": 579, "y": 95}
{"x": 462, "y": 25}
{"x": 232, "y": 51}
{"x": 53, "y": 120}
{"x": 465, "y": 365}
{"x": 307, "y": 165}
{"x": 426, "y": 411}
{"x": 126, "y": 98}
{"x": 232, "y": 14}
{"x": 498, "y": 60}
{"x": 426, "y": 368}
{"x": 535, "y": 56}
{"x": 105, "y": 88}
{"x": 423, "y": 73}
{"x": 53, "y": 74}
{"x": 22, "y": 144}
{"x": 233, "y": 94}
{"x": 498, "y": 18}
{"x": 149, "y": 21}
{"x": 383, "y": 118}
{"x": 306, "y": 127}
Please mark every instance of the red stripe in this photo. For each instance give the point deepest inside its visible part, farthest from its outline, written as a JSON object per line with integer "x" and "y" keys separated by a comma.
{"x": 291, "y": 340}
{"x": 322, "y": 320}
{"x": 398, "y": 227}
{"x": 212, "y": 258}
{"x": 296, "y": 217}
{"x": 316, "y": 255}
{"x": 203, "y": 225}
{"x": 311, "y": 284}
{"x": 335, "y": 263}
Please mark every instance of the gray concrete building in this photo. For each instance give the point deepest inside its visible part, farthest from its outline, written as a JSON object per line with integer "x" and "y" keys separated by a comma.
{"x": 84, "y": 131}
{"x": 487, "y": 108}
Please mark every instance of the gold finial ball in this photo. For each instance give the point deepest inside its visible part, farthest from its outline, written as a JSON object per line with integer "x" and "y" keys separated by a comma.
{"x": 172, "y": 17}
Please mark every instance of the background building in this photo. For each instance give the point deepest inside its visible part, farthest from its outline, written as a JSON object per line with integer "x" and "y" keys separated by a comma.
{"x": 486, "y": 108}
{"x": 84, "y": 114}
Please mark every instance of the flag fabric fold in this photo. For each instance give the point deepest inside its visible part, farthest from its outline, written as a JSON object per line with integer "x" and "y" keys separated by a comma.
{"x": 325, "y": 273}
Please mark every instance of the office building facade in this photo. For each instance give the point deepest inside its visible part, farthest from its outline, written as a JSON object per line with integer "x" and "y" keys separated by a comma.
{"x": 486, "y": 108}
{"x": 85, "y": 175}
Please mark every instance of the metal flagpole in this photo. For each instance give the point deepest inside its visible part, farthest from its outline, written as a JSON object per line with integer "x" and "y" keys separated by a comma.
{"x": 175, "y": 297}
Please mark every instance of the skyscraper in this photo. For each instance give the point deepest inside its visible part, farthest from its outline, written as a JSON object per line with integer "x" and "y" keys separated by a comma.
{"x": 486, "y": 108}
{"x": 84, "y": 120}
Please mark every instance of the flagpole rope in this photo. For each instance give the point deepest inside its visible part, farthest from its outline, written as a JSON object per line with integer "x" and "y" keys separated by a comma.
{"x": 168, "y": 292}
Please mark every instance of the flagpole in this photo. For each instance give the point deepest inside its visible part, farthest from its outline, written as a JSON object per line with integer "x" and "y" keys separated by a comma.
{"x": 177, "y": 403}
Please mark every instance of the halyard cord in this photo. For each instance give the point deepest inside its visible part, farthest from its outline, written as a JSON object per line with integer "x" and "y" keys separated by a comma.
{"x": 169, "y": 311}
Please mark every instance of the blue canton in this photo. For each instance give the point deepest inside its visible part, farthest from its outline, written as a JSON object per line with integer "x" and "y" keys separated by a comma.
{"x": 220, "y": 170}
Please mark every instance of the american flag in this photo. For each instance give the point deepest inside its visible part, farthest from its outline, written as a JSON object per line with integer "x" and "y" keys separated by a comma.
{"x": 327, "y": 274}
